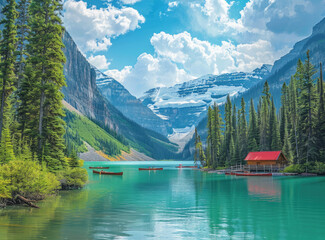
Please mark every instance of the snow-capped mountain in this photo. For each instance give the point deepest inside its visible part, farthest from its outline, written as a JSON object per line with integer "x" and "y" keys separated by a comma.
{"x": 183, "y": 105}
{"x": 129, "y": 105}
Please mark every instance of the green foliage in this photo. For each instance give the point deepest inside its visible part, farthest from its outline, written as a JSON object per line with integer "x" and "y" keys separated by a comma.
{"x": 4, "y": 188}
{"x": 72, "y": 178}
{"x": 294, "y": 168}
{"x": 94, "y": 135}
{"x": 29, "y": 179}
{"x": 73, "y": 160}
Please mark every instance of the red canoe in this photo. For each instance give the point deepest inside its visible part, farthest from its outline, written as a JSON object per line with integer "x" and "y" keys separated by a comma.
{"x": 140, "y": 169}
{"x": 108, "y": 173}
{"x": 98, "y": 167}
{"x": 186, "y": 167}
{"x": 255, "y": 174}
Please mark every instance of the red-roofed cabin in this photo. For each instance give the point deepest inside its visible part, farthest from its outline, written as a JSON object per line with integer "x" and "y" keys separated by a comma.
{"x": 266, "y": 158}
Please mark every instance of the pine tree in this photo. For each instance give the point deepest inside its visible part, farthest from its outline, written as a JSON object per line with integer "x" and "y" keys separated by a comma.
{"x": 7, "y": 51}
{"x": 253, "y": 135}
{"x": 274, "y": 129}
{"x": 321, "y": 118}
{"x": 217, "y": 139}
{"x": 74, "y": 160}
{"x": 283, "y": 112}
{"x": 45, "y": 79}
{"x": 197, "y": 149}
{"x": 22, "y": 33}
{"x": 228, "y": 136}
{"x": 307, "y": 113}
{"x": 210, "y": 126}
{"x": 243, "y": 131}
{"x": 293, "y": 113}
{"x": 287, "y": 148}
{"x": 264, "y": 118}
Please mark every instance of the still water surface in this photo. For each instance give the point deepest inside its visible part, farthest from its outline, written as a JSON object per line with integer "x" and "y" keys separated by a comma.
{"x": 175, "y": 204}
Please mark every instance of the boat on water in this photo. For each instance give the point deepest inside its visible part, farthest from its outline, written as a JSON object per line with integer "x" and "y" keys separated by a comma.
{"x": 98, "y": 167}
{"x": 255, "y": 174}
{"x": 181, "y": 166}
{"x": 108, "y": 173}
{"x": 150, "y": 168}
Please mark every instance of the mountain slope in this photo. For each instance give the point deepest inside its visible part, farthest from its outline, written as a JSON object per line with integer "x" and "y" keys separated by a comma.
{"x": 281, "y": 72}
{"x": 184, "y": 105}
{"x": 129, "y": 105}
{"x": 82, "y": 93}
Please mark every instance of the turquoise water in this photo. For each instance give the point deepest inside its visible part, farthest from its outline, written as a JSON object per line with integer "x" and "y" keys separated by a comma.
{"x": 175, "y": 204}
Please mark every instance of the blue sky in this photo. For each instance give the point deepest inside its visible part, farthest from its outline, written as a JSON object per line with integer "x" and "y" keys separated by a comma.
{"x": 151, "y": 43}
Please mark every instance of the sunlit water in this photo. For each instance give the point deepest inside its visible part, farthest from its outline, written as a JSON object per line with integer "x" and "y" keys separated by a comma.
{"x": 175, "y": 204}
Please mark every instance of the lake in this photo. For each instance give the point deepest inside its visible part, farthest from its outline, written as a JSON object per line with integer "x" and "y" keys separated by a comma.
{"x": 174, "y": 204}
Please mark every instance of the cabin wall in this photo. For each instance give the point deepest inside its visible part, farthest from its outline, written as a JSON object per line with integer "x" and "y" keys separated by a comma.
{"x": 253, "y": 162}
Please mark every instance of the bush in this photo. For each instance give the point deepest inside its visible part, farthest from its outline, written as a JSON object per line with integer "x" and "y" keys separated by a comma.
{"x": 27, "y": 178}
{"x": 73, "y": 178}
{"x": 319, "y": 168}
{"x": 295, "y": 168}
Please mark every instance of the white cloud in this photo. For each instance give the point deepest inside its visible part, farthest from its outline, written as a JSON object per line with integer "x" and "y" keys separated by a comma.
{"x": 172, "y": 5}
{"x": 92, "y": 28}
{"x": 130, "y": 1}
{"x": 201, "y": 57}
{"x": 149, "y": 72}
{"x": 181, "y": 57}
{"x": 99, "y": 61}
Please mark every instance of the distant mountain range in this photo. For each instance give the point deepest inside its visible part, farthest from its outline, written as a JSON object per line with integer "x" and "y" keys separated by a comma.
{"x": 184, "y": 105}
{"x": 281, "y": 72}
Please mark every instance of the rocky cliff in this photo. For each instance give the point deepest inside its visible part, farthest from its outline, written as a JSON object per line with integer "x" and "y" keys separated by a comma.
{"x": 82, "y": 93}
{"x": 130, "y": 106}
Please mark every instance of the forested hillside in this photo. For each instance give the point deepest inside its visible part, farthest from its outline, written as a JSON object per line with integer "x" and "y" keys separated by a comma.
{"x": 297, "y": 128}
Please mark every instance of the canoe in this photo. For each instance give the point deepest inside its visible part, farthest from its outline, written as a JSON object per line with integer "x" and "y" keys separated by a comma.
{"x": 108, "y": 173}
{"x": 186, "y": 167}
{"x": 98, "y": 167}
{"x": 141, "y": 169}
{"x": 254, "y": 174}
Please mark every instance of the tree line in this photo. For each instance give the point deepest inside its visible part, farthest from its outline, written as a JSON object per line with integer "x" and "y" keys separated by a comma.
{"x": 31, "y": 110}
{"x": 297, "y": 128}
{"x": 31, "y": 71}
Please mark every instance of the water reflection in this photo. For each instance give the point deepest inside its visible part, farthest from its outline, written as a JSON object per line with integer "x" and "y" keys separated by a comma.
{"x": 175, "y": 204}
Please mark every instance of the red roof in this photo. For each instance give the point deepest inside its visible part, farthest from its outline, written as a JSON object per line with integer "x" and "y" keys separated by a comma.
{"x": 263, "y": 156}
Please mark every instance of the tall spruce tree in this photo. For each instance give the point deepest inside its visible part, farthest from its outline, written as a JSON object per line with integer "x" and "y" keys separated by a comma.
{"x": 228, "y": 135}
{"x": 243, "y": 131}
{"x": 217, "y": 139}
{"x": 321, "y": 117}
{"x": 44, "y": 81}
{"x": 274, "y": 129}
{"x": 264, "y": 118}
{"x": 293, "y": 119}
{"x": 7, "y": 64}
{"x": 253, "y": 134}
{"x": 307, "y": 113}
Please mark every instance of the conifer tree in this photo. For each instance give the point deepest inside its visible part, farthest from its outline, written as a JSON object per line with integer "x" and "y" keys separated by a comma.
{"x": 293, "y": 113}
{"x": 307, "y": 113}
{"x": 74, "y": 160}
{"x": 243, "y": 131}
{"x": 7, "y": 51}
{"x": 197, "y": 149}
{"x": 45, "y": 80}
{"x": 217, "y": 136}
{"x": 274, "y": 130}
{"x": 253, "y": 134}
{"x": 264, "y": 118}
{"x": 228, "y": 136}
{"x": 321, "y": 118}
{"x": 283, "y": 112}
{"x": 22, "y": 33}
